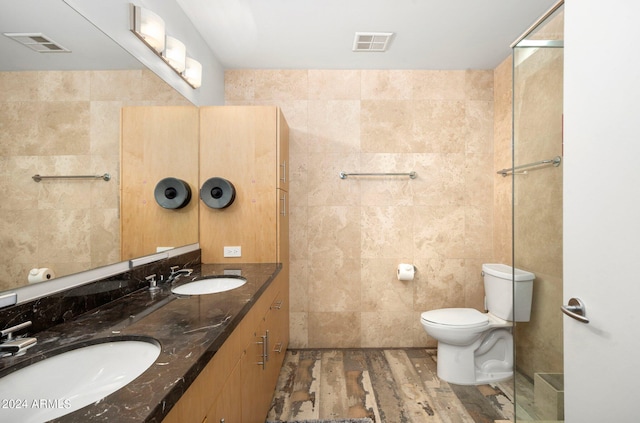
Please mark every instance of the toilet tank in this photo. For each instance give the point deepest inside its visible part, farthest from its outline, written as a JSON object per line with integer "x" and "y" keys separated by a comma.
{"x": 499, "y": 291}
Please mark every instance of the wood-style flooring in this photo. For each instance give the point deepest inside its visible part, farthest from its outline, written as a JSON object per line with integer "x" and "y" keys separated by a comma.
{"x": 385, "y": 385}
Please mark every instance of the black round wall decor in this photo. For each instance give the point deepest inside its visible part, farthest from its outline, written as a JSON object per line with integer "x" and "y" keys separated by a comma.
{"x": 172, "y": 193}
{"x": 217, "y": 193}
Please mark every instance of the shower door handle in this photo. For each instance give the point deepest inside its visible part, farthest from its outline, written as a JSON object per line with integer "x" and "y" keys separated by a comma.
{"x": 576, "y": 310}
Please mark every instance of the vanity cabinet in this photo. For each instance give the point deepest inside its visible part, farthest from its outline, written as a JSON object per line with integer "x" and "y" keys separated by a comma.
{"x": 248, "y": 146}
{"x": 227, "y": 408}
{"x": 238, "y": 383}
{"x": 264, "y": 356}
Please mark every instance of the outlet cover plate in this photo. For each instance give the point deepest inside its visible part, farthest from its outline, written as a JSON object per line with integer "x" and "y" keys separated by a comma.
{"x": 233, "y": 251}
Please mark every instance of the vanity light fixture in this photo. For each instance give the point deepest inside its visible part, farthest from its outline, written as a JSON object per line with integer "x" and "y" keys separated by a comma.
{"x": 149, "y": 27}
{"x": 175, "y": 54}
{"x": 193, "y": 72}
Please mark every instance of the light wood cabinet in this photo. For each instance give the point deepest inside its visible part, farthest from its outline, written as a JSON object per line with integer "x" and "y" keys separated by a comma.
{"x": 227, "y": 408}
{"x": 264, "y": 356}
{"x": 247, "y": 145}
{"x": 156, "y": 143}
{"x": 238, "y": 384}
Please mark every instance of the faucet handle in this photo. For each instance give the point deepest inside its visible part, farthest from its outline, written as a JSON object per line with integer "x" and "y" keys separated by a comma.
{"x": 9, "y": 331}
{"x": 153, "y": 284}
{"x": 174, "y": 269}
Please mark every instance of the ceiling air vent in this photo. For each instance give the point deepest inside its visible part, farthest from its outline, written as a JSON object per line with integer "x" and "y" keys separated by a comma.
{"x": 38, "y": 42}
{"x": 372, "y": 41}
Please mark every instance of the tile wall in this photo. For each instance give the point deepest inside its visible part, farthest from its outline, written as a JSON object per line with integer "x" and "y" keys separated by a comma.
{"x": 502, "y": 155}
{"x": 55, "y": 123}
{"x": 348, "y": 236}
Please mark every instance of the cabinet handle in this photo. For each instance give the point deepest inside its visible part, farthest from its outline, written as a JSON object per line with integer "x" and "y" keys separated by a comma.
{"x": 283, "y": 209}
{"x": 264, "y": 343}
{"x": 266, "y": 346}
{"x": 277, "y": 305}
{"x": 278, "y": 348}
{"x": 283, "y": 178}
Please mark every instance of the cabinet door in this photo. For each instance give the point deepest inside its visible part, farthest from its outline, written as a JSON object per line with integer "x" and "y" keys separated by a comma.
{"x": 283, "y": 228}
{"x": 238, "y": 143}
{"x": 278, "y": 322}
{"x": 256, "y": 393}
{"x": 228, "y": 407}
{"x": 157, "y": 143}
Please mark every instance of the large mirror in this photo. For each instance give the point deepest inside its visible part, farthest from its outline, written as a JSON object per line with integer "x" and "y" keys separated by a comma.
{"x": 61, "y": 117}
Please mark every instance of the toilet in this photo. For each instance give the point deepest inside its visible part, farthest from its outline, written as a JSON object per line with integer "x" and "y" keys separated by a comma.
{"x": 475, "y": 348}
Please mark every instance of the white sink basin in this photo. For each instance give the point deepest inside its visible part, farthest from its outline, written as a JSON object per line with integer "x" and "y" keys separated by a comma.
{"x": 66, "y": 382}
{"x": 209, "y": 286}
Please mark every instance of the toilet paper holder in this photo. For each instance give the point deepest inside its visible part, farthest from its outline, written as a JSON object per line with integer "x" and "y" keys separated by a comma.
{"x": 406, "y": 271}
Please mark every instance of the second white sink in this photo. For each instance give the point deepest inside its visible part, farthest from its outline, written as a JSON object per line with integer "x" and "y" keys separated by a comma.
{"x": 212, "y": 285}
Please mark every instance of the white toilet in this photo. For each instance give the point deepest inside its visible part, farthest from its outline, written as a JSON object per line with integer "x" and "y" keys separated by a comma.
{"x": 475, "y": 348}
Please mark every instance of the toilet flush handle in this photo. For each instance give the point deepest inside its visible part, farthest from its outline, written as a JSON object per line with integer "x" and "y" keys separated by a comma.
{"x": 576, "y": 310}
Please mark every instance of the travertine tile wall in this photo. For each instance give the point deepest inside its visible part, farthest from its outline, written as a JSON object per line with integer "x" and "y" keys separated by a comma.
{"x": 64, "y": 123}
{"x": 502, "y": 154}
{"x": 348, "y": 236}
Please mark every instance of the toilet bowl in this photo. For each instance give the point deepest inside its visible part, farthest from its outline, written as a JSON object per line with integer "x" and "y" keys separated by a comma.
{"x": 476, "y": 348}
{"x": 473, "y": 347}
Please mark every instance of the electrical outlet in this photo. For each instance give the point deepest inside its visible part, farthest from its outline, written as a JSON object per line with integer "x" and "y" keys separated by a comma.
{"x": 233, "y": 251}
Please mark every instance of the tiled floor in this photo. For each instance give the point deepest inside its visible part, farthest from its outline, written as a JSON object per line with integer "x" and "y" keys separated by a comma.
{"x": 388, "y": 386}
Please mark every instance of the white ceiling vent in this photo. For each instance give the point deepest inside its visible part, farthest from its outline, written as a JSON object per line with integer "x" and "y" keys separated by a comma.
{"x": 38, "y": 42}
{"x": 372, "y": 41}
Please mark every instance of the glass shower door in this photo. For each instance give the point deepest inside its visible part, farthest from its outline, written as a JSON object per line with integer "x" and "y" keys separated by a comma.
{"x": 537, "y": 216}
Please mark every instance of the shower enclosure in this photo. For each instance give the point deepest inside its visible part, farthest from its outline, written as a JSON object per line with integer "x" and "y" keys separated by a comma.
{"x": 537, "y": 214}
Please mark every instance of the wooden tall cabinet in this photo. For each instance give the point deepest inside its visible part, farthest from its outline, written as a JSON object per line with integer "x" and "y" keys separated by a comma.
{"x": 249, "y": 146}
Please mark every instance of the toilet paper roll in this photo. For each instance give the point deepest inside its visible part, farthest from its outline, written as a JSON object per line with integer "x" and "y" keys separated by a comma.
{"x": 406, "y": 272}
{"x": 40, "y": 275}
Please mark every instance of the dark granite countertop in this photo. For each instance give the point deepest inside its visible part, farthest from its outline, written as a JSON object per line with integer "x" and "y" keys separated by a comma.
{"x": 189, "y": 329}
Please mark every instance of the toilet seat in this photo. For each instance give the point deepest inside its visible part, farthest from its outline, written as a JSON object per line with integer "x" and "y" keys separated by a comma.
{"x": 456, "y": 318}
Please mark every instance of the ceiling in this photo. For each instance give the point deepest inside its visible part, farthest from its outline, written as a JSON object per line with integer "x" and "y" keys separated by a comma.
{"x": 91, "y": 49}
{"x": 293, "y": 34}
{"x": 319, "y": 34}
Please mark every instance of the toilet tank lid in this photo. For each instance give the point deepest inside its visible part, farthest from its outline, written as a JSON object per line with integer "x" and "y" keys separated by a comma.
{"x": 504, "y": 271}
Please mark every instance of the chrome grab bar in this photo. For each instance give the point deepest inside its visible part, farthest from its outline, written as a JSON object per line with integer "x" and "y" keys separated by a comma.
{"x": 412, "y": 174}
{"x": 575, "y": 309}
{"x": 555, "y": 162}
{"x": 105, "y": 177}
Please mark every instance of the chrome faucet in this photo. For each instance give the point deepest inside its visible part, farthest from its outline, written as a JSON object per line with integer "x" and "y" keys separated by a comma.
{"x": 14, "y": 346}
{"x": 175, "y": 273}
{"x": 153, "y": 284}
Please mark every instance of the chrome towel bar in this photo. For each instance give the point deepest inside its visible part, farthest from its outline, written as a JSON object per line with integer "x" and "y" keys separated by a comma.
{"x": 555, "y": 162}
{"x": 412, "y": 175}
{"x": 105, "y": 177}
